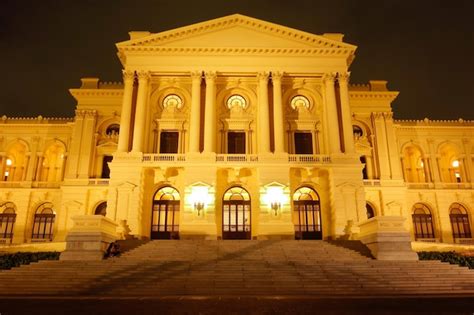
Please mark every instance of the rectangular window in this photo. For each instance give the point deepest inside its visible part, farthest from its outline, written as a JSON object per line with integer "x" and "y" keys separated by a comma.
{"x": 303, "y": 143}
{"x": 169, "y": 142}
{"x": 236, "y": 142}
{"x": 105, "y": 166}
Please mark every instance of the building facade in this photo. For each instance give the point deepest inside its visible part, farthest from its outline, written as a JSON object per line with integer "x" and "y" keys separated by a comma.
{"x": 235, "y": 128}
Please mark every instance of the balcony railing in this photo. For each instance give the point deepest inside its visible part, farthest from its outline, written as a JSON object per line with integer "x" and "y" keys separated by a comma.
{"x": 309, "y": 159}
{"x": 457, "y": 185}
{"x": 372, "y": 182}
{"x": 164, "y": 158}
{"x": 420, "y": 185}
{"x": 99, "y": 181}
{"x": 237, "y": 158}
{"x": 46, "y": 184}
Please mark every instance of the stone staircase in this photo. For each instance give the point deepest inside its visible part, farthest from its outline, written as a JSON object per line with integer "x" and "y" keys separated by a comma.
{"x": 237, "y": 268}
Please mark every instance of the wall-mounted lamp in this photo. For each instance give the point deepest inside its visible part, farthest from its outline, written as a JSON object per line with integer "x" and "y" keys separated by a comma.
{"x": 275, "y": 206}
{"x": 198, "y": 206}
{"x": 199, "y": 198}
{"x": 275, "y": 198}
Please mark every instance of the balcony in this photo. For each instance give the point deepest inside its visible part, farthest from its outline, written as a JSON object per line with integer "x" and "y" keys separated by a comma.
{"x": 98, "y": 182}
{"x": 420, "y": 185}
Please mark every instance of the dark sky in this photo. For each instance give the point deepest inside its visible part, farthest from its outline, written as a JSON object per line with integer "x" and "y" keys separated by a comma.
{"x": 424, "y": 48}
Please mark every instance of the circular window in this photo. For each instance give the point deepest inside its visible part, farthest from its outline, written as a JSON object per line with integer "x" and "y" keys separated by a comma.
{"x": 172, "y": 100}
{"x": 357, "y": 131}
{"x": 299, "y": 101}
{"x": 236, "y": 101}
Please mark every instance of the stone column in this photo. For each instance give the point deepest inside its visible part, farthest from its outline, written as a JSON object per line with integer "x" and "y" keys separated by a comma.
{"x": 278, "y": 110}
{"x": 434, "y": 162}
{"x": 140, "y": 115}
{"x": 32, "y": 163}
{"x": 263, "y": 113}
{"x": 39, "y": 168}
{"x": 343, "y": 79}
{"x": 210, "y": 113}
{"x": 426, "y": 170}
{"x": 331, "y": 109}
{"x": 382, "y": 146}
{"x": 25, "y": 167}
{"x": 195, "y": 116}
{"x": 3, "y": 163}
{"x": 126, "y": 115}
{"x": 468, "y": 160}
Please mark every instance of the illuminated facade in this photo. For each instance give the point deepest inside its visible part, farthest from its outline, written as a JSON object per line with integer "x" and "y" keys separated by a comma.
{"x": 235, "y": 128}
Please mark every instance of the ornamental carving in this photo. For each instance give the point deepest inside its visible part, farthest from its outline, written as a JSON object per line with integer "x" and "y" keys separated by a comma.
{"x": 262, "y": 76}
{"x": 210, "y": 76}
{"x": 196, "y": 75}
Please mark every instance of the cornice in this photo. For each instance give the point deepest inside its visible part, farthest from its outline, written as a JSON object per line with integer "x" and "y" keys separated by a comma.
{"x": 389, "y": 96}
{"x": 428, "y": 123}
{"x": 234, "y": 51}
{"x": 96, "y": 92}
{"x": 36, "y": 120}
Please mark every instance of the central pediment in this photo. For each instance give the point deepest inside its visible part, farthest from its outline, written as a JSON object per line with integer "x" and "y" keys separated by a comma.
{"x": 235, "y": 31}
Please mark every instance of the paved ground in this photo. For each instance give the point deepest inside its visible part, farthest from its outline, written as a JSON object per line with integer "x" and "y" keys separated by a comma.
{"x": 235, "y": 305}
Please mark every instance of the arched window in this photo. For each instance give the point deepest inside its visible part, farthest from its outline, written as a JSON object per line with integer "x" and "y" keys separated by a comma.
{"x": 236, "y": 214}
{"x": 43, "y": 222}
{"x": 370, "y": 210}
{"x": 101, "y": 209}
{"x": 422, "y": 222}
{"x": 459, "y": 221}
{"x": 165, "y": 214}
{"x": 299, "y": 101}
{"x": 307, "y": 214}
{"x": 7, "y": 220}
{"x": 113, "y": 129}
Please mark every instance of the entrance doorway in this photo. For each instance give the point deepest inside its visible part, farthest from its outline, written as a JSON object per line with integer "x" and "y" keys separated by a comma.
{"x": 165, "y": 214}
{"x": 236, "y": 220}
{"x": 307, "y": 211}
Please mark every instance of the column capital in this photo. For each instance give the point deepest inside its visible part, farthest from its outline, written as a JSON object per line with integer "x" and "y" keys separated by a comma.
{"x": 262, "y": 76}
{"x": 196, "y": 75}
{"x": 343, "y": 76}
{"x": 128, "y": 75}
{"x": 329, "y": 77}
{"x": 143, "y": 75}
{"x": 210, "y": 75}
{"x": 277, "y": 76}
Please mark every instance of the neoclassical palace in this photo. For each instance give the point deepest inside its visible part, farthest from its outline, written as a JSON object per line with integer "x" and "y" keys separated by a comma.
{"x": 235, "y": 128}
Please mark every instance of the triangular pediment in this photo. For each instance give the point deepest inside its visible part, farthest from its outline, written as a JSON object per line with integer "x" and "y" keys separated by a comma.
{"x": 236, "y": 31}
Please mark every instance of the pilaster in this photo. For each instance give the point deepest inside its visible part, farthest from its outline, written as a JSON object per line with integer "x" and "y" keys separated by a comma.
{"x": 343, "y": 79}
{"x": 278, "y": 120}
{"x": 210, "y": 113}
{"x": 195, "y": 117}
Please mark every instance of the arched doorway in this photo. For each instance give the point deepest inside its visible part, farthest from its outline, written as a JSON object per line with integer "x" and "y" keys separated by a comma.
{"x": 236, "y": 215}
{"x": 43, "y": 222}
{"x": 459, "y": 221}
{"x": 165, "y": 214}
{"x": 422, "y": 222}
{"x": 307, "y": 214}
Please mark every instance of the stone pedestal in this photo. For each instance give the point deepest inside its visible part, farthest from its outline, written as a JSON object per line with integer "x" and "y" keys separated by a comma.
{"x": 387, "y": 238}
{"x": 89, "y": 237}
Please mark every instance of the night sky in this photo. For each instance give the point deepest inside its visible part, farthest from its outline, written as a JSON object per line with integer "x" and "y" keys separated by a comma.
{"x": 424, "y": 49}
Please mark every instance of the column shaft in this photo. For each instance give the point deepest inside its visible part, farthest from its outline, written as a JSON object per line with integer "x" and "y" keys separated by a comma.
{"x": 278, "y": 121}
{"x": 210, "y": 113}
{"x": 333, "y": 123}
{"x": 140, "y": 116}
{"x": 125, "y": 116}
{"x": 195, "y": 118}
{"x": 343, "y": 79}
{"x": 263, "y": 113}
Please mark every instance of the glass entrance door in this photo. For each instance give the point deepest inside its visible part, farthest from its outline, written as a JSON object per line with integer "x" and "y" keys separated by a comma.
{"x": 307, "y": 217}
{"x": 165, "y": 214}
{"x": 236, "y": 214}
